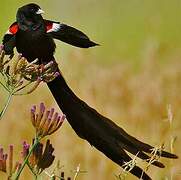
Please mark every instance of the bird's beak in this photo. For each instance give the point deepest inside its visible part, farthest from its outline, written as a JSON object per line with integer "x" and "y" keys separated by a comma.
{"x": 40, "y": 11}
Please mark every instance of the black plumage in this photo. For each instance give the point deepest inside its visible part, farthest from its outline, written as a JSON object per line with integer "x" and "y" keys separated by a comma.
{"x": 33, "y": 37}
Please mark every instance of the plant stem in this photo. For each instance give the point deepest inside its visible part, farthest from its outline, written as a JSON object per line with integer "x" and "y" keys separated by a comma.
{"x": 27, "y": 157}
{"x": 6, "y": 105}
{"x": 35, "y": 177}
{"x": 4, "y": 86}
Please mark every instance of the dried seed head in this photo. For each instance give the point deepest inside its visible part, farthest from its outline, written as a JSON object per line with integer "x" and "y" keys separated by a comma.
{"x": 45, "y": 122}
{"x": 19, "y": 73}
{"x": 41, "y": 158}
{"x": 6, "y": 160}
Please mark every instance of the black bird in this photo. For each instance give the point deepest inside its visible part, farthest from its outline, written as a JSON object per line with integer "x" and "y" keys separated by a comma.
{"x": 33, "y": 37}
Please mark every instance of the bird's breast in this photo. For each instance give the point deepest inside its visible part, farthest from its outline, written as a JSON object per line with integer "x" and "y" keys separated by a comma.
{"x": 35, "y": 44}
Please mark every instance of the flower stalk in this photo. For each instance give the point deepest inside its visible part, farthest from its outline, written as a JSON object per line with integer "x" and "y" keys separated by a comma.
{"x": 6, "y": 105}
{"x": 27, "y": 157}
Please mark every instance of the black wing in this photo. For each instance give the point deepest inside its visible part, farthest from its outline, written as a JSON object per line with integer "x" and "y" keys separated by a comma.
{"x": 9, "y": 39}
{"x": 68, "y": 34}
{"x": 9, "y": 42}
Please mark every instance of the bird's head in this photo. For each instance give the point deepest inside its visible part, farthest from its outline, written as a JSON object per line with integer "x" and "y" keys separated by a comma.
{"x": 30, "y": 10}
{"x": 28, "y": 14}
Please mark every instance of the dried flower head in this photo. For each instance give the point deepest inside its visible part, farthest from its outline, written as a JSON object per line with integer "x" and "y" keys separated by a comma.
{"x": 36, "y": 156}
{"x": 41, "y": 158}
{"x": 45, "y": 122}
{"x": 18, "y": 73}
{"x": 6, "y": 162}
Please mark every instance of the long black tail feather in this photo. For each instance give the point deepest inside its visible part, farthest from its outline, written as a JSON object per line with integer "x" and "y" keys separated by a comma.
{"x": 101, "y": 132}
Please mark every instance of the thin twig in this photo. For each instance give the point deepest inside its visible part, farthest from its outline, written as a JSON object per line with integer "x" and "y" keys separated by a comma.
{"x": 27, "y": 157}
{"x": 6, "y": 105}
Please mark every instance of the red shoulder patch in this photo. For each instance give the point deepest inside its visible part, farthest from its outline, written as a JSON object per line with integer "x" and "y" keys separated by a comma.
{"x": 13, "y": 29}
{"x": 49, "y": 26}
{"x": 52, "y": 26}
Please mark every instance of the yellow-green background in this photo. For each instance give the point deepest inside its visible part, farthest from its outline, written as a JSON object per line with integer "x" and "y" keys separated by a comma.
{"x": 131, "y": 78}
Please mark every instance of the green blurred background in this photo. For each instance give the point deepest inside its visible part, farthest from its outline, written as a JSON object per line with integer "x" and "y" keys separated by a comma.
{"x": 131, "y": 78}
